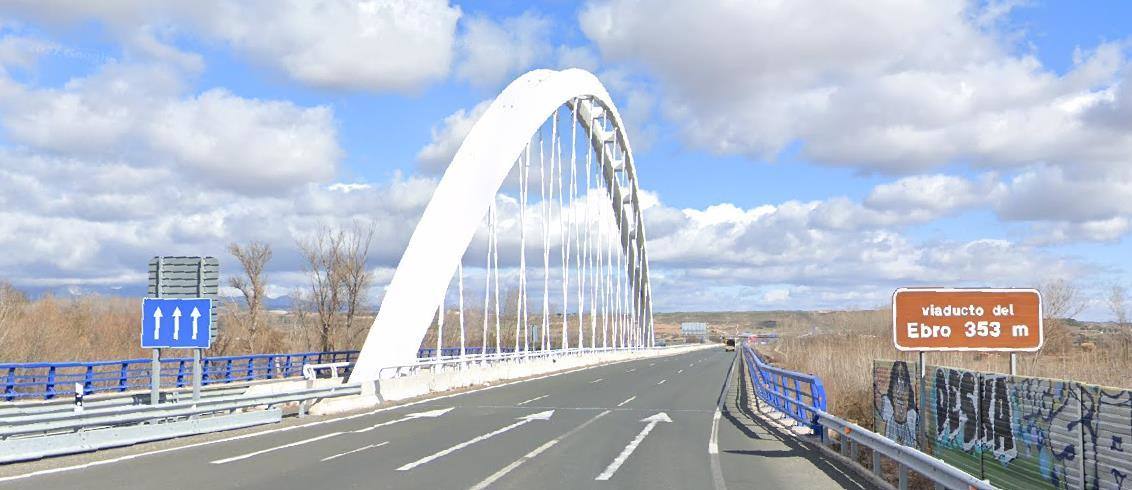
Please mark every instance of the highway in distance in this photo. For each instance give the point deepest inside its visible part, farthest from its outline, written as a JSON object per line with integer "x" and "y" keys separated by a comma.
{"x": 645, "y": 424}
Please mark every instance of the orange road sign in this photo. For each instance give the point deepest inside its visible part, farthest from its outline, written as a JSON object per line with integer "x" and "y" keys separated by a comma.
{"x": 967, "y": 319}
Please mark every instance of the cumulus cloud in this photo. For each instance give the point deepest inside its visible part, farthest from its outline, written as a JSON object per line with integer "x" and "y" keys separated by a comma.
{"x": 397, "y": 45}
{"x": 900, "y": 87}
{"x": 447, "y": 137}
{"x": 493, "y": 51}
{"x": 143, "y": 113}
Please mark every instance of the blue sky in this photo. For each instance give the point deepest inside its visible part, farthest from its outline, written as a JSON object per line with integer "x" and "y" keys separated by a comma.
{"x": 937, "y": 142}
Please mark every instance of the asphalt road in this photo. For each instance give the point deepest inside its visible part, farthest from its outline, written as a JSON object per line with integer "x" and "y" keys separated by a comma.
{"x": 638, "y": 424}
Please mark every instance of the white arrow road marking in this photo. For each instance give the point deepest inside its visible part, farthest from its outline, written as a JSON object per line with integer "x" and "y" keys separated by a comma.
{"x": 196, "y": 315}
{"x": 531, "y": 455}
{"x": 176, "y": 323}
{"x": 662, "y": 381}
{"x": 596, "y": 380}
{"x": 157, "y": 323}
{"x": 535, "y": 399}
{"x": 627, "y": 401}
{"x": 625, "y": 453}
{"x": 276, "y": 448}
{"x": 431, "y": 414}
{"x": 358, "y": 450}
{"x": 522, "y": 421}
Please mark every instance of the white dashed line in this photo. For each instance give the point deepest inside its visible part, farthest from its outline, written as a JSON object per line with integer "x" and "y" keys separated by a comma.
{"x": 627, "y": 401}
{"x": 596, "y": 380}
{"x": 662, "y": 381}
{"x": 537, "y": 398}
{"x": 358, "y": 450}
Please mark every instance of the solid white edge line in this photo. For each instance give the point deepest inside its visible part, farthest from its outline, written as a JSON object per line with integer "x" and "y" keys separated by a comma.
{"x": 360, "y": 449}
{"x": 129, "y": 457}
{"x": 713, "y": 442}
{"x": 276, "y": 448}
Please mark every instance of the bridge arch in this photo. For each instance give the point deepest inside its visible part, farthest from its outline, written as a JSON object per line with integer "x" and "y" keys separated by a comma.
{"x": 467, "y": 190}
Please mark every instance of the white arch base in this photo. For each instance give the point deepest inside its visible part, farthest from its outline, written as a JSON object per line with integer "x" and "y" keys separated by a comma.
{"x": 461, "y": 202}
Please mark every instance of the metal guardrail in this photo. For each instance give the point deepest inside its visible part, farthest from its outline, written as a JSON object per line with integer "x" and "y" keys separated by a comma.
{"x": 787, "y": 392}
{"x": 33, "y": 436}
{"x": 800, "y": 396}
{"x": 48, "y": 380}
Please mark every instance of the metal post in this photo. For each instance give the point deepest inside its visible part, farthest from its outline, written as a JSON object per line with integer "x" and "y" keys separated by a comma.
{"x": 923, "y": 366}
{"x": 196, "y": 374}
{"x": 1013, "y": 363}
{"x": 155, "y": 378}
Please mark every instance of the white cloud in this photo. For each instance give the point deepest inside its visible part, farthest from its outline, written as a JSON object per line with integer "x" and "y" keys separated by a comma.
{"x": 142, "y": 113}
{"x": 434, "y": 158}
{"x": 398, "y": 45}
{"x": 493, "y": 52}
{"x": 900, "y": 86}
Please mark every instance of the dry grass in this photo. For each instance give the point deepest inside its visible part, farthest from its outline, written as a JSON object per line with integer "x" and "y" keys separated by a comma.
{"x": 843, "y": 360}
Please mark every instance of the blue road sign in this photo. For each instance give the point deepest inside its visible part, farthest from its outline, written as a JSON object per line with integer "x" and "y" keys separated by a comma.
{"x": 179, "y": 323}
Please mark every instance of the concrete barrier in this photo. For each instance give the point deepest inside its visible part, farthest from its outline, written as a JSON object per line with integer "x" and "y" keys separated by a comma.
{"x": 457, "y": 376}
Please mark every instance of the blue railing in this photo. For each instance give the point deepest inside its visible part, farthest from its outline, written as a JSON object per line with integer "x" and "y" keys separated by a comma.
{"x": 48, "y": 380}
{"x": 795, "y": 394}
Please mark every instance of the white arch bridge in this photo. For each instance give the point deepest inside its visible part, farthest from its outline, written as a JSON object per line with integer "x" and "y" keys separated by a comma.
{"x": 533, "y": 240}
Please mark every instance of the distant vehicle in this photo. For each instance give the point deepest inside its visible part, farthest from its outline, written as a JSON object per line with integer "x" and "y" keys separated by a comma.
{"x": 729, "y": 345}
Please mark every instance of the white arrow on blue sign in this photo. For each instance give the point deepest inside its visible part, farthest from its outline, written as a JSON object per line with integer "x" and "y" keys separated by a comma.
{"x": 176, "y": 323}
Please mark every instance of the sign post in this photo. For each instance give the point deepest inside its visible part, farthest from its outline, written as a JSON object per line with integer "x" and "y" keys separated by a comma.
{"x": 980, "y": 320}
{"x": 185, "y": 278}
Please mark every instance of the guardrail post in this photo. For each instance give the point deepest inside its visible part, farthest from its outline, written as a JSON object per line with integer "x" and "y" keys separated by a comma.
{"x": 181, "y": 373}
{"x": 10, "y": 384}
{"x": 876, "y": 463}
{"x": 88, "y": 380}
{"x": 123, "y": 376}
{"x": 903, "y": 482}
{"x": 270, "y": 366}
{"x": 50, "y": 393}
{"x": 228, "y": 371}
{"x": 251, "y": 368}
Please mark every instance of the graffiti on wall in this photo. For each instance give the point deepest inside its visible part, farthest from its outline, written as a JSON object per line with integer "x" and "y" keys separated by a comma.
{"x": 1017, "y": 432}
{"x": 1106, "y": 426}
{"x": 895, "y": 407}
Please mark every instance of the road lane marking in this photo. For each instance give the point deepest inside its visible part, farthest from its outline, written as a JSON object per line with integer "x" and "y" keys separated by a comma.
{"x": 713, "y": 442}
{"x": 358, "y": 450}
{"x": 651, "y": 364}
{"x": 524, "y": 402}
{"x": 276, "y": 448}
{"x": 679, "y": 371}
{"x": 632, "y": 446}
{"x": 531, "y": 455}
{"x": 431, "y": 414}
{"x": 627, "y": 401}
{"x": 631, "y": 370}
{"x": 692, "y": 364}
{"x": 596, "y": 381}
{"x": 433, "y": 457}
{"x": 130, "y": 457}
{"x": 662, "y": 381}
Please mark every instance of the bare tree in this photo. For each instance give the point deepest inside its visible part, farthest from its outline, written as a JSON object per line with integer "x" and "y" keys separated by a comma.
{"x": 354, "y": 277}
{"x": 1061, "y": 299}
{"x": 323, "y": 254}
{"x": 253, "y": 258}
{"x": 1117, "y": 302}
{"x": 11, "y": 300}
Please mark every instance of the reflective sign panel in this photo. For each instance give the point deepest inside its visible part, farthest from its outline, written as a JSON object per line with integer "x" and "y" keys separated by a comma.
{"x": 967, "y": 319}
